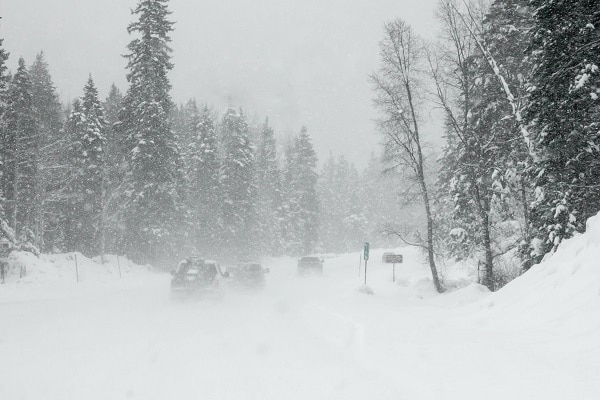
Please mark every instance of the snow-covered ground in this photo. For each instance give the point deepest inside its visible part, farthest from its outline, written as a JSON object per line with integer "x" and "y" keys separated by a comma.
{"x": 303, "y": 338}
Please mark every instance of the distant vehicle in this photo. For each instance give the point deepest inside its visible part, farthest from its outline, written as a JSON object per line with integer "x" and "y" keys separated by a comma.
{"x": 196, "y": 277}
{"x": 249, "y": 274}
{"x": 310, "y": 264}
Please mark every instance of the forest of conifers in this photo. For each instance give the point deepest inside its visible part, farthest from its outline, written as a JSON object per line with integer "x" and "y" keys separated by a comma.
{"x": 516, "y": 84}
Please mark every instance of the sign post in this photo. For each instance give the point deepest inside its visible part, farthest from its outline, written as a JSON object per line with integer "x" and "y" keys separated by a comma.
{"x": 393, "y": 259}
{"x": 366, "y": 257}
{"x": 76, "y": 268}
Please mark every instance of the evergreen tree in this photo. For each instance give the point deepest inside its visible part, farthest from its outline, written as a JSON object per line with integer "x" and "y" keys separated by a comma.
{"x": 563, "y": 112}
{"x": 183, "y": 117}
{"x": 4, "y": 82}
{"x": 49, "y": 171}
{"x": 203, "y": 169}
{"x": 237, "y": 185}
{"x": 69, "y": 210}
{"x": 114, "y": 171}
{"x": 302, "y": 189}
{"x": 290, "y": 207}
{"x": 87, "y": 144}
{"x": 114, "y": 153}
{"x": 5, "y": 151}
{"x": 329, "y": 227}
{"x": 21, "y": 149}
{"x": 507, "y": 35}
{"x": 343, "y": 223}
{"x": 152, "y": 207}
{"x": 268, "y": 182}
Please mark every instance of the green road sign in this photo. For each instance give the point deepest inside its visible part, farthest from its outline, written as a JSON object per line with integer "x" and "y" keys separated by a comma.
{"x": 366, "y": 257}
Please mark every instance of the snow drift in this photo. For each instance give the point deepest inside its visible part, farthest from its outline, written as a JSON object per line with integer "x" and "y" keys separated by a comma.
{"x": 563, "y": 290}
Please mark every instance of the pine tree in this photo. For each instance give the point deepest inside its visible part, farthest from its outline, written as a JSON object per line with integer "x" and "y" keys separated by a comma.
{"x": 237, "y": 185}
{"x": 329, "y": 227}
{"x": 87, "y": 144}
{"x": 21, "y": 146}
{"x": 114, "y": 171}
{"x": 507, "y": 34}
{"x": 203, "y": 193}
{"x": 48, "y": 179}
{"x": 268, "y": 182}
{"x": 290, "y": 208}
{"x": 152, "y": 208}
{"x": 343, "y": 223}
{"x": 69, "y": 210}
{"x": 183, "y": 117}
{"x": 563, "y": 112}
{"x": 5, "y": 136}
{"x": 302, "y": 188}
{"x": 114, "y": 153}
{"x": 4, "y": 81}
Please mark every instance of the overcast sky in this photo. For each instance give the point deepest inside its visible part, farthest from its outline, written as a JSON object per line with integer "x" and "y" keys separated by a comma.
{"x": 299, "y": 62}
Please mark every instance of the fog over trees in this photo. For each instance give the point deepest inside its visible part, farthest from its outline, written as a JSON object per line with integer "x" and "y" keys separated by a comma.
{"x": 136, "y": 173}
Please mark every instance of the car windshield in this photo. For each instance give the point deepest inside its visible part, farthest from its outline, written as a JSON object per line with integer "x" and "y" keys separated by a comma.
{"x": 310, "y": 259}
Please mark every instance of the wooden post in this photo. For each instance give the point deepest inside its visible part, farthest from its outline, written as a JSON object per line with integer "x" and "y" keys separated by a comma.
{"x": 359, "y": 263}
{"x": 394, "y": 272}
{"x": 366, "y": 272}
{"x": 119, "y": 264}
{"x": 76, "y": 269}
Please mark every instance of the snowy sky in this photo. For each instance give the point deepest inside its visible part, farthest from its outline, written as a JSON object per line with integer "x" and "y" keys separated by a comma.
{"x": 300, "y": 62}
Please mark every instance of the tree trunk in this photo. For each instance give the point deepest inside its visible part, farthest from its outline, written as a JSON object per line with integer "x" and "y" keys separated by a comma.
{"x": 430, "y": 254}
{"x": 15, "y": 208}
{"x": 489, "y": 259}
{"x": 483, "y": 207}
{"x": 528, "y": 261}
{"x": 103, "y": 216}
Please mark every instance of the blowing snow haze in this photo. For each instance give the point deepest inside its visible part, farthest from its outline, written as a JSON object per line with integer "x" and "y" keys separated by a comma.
{"x": 153, "y": 246}
{"x": 297, "y": 62}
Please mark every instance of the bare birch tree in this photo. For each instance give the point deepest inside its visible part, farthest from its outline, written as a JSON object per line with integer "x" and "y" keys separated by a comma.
{"x": 398, "y": 86}
{"x": 459, "y": 91}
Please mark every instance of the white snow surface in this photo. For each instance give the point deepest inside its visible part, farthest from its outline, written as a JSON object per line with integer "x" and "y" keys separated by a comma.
{"x": 303, "y": 337}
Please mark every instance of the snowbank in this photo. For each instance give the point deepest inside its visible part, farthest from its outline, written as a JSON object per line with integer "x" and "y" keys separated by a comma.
{"x": 25, "y": 268}
{"x": 563, "y": 290}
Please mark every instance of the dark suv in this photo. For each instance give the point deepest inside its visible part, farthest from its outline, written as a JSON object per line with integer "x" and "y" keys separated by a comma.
{"x": 310, "y": 264}
{"x": 249, "y": 274}
{"x": 197, "y": 277}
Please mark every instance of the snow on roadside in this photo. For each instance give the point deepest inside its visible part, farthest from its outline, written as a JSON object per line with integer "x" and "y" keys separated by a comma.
{"x": 57, "y": 275}
{"x": 562, "y": 291}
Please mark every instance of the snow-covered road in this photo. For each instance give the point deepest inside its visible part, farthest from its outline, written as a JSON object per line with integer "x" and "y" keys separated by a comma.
{"x": 299, "y": 338}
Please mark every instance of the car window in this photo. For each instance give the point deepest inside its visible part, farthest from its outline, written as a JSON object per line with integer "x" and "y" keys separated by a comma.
{"x": 182, "y": 268}
{"x": 209, "y": 268}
